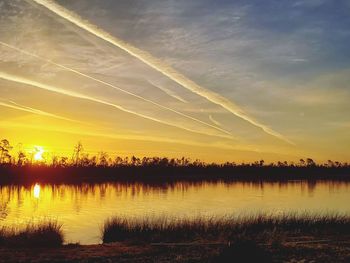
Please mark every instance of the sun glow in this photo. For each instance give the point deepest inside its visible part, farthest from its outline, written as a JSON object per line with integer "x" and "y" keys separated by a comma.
{"x": 38, "y": 155}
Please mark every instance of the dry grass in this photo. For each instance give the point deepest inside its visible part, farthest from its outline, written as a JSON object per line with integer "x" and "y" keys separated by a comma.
{"x": 45, "y": 234}
{"x": 224, "y": 229}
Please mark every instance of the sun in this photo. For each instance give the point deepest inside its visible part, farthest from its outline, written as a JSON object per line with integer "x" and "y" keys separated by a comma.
{"x": 38, "y": 156}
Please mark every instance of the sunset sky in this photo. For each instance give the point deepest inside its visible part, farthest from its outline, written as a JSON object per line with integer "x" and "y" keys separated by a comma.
{"x": 214, "y": 80}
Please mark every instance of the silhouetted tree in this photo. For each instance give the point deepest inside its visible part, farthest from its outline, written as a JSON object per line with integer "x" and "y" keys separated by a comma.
{"x": 55, "y": 160}
{"x": 5, "y": 148}
{"x": 77, "y": 151}
{"x": 118, "y": 161}
{"x": 93, "y": 161}
{"x": 135, "y": 161}
{"x": 310, "y": 162}
{"x": 126, "y": 161}
{"x": 64, "y": 161}
{"x": 330, "y": 163}
{"x": 85, "y": 161}
{"x": 103, "y": 159}
{"x": 21, "y": 158}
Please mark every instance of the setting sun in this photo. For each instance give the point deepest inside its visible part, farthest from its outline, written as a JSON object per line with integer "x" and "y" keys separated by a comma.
{"x": 38, "y": 156}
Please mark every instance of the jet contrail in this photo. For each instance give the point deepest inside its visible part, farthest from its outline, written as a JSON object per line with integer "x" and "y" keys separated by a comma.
{"x": 158, "y": 65}
{"x": 214, "y": 121}
{"x": 137, "y": 137}
{"x": 73, "y": 94}
{"x": 16, "y": 106}
{"x": 133, "y": 137}
{"x": 114, "y": 87}
{"x": 167, "y": 91}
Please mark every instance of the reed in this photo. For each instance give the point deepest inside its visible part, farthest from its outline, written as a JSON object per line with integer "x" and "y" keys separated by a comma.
{"x": 44, "y": 234}
{"x": 227, "y": 228}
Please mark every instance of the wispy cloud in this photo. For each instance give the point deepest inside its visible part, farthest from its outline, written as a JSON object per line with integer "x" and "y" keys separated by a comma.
{"x": 115, "y": 87}
{"x": 73, "y": 94}
{"x": 16, "y": 106}
{"x": 133, "y": 137}
{"x": 159, "y": 66}
{"x": 284, "y": 64}
{"x": 214, "y": 121}
{"x": 168, "y": 92}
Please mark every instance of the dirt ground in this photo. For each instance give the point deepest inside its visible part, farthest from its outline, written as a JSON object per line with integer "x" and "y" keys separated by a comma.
{"x": 307, "y": 250}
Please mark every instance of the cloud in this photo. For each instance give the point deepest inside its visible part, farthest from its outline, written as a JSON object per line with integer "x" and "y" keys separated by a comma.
{"x": 309, "y": 3}
{"x": 156, "y": 64}
{"x": 73, "y": 94}
{"x": 267, "y": 62}
{"x": 129, "y": 136}
{"x": 168, "y": 92}
{"x": 16, "y": 106}
{"x": 115, "y": 87}
{"x": 214, "y": 121}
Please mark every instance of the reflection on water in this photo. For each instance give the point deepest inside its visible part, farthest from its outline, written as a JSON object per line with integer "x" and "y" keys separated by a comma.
{"x": 36, "y": 191}
{"x": 83, "y": 208}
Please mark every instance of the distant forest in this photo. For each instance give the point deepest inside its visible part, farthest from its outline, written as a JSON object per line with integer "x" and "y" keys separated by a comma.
{"x": 80, "y": 159}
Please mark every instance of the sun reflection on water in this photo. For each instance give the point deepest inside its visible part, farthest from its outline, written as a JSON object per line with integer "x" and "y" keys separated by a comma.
{"x": 36, "y": 191}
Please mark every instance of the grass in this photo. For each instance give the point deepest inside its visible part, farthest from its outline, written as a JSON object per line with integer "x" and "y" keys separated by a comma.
{"x": 222, "y": 229}
{"x": 45, "y": 234}
{"x": 228, "y": 239}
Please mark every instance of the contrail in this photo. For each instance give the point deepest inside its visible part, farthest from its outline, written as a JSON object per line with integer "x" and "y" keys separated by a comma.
{"x": 136, "y": 137}
{"x": 168, "y": 92}
{"x": 16, "y": 106}
{"x": 73, "y": 94}
{"x": 133, "y": 137}
{"x": 114, "y": 87}
{"x": 158, "y": 65}
{"x": 214, "y": 121}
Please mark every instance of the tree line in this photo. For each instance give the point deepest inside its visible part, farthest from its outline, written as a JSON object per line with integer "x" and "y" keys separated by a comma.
{"x": 81, "y": 159}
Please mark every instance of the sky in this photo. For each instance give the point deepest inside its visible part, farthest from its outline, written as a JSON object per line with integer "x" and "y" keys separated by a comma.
{"x": 214, "y": 80}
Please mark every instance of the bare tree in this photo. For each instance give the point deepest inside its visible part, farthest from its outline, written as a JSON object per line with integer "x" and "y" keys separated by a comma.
{"x": 77, "y": 151}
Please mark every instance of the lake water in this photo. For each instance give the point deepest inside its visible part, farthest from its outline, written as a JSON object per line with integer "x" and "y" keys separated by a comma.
{"x": 83, "y": 209}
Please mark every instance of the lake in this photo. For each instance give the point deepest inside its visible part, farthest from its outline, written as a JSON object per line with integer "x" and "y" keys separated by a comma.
{"x": 82, "y": 209}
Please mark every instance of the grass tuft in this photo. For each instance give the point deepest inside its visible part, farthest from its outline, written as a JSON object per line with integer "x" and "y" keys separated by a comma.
{"x": 45, "y": 234}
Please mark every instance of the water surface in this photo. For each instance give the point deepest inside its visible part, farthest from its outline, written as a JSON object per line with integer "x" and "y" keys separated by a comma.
{"x": 83, "y": 208}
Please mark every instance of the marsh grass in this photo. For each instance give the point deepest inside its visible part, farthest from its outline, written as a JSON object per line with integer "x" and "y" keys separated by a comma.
{"x": 44, "y": 234}
{"x": 264, "y": 227}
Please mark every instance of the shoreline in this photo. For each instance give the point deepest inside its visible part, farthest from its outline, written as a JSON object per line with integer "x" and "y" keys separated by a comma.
{"x": 159, "y": 174}
{"x": 259, "y": 239}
